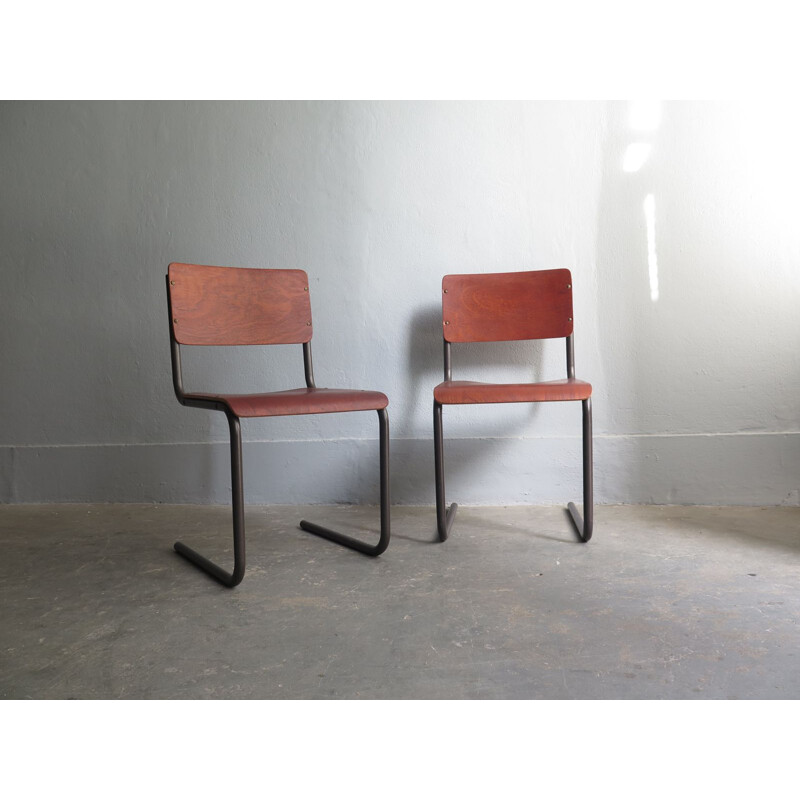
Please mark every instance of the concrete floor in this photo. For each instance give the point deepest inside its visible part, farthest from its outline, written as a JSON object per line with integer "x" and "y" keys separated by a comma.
{"x": 664, "y": 602}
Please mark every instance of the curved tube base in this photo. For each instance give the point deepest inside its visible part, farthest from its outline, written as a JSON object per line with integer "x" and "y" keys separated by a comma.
{"x": 584, "y": 530}
{"x": 584, "y": 525}
{"x": 349, "y": 541}
{"x": 444, "y": 521}
{"x": 229, "y": 579}
{"x": 445, "y": 515}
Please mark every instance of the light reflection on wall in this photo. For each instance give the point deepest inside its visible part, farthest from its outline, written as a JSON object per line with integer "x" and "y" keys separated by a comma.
{"x": 635, "y": 156}
{"x": 644, "y": 116}
{"x": 652, "y": 259}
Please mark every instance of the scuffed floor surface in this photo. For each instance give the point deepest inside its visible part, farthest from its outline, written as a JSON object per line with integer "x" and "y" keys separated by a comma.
{"x": 664, "y": 602}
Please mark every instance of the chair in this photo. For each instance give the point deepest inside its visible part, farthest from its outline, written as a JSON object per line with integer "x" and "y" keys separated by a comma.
{"x": 508, "y": 307}
{"x": 233, "y": 306}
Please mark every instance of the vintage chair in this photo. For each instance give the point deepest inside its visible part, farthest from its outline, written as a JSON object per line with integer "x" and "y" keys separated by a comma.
{"x": 233, "y": 306}
{"x": 507, "y": 307}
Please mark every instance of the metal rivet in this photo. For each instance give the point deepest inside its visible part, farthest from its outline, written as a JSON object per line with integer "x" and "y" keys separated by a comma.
{"x": 445, "y": 291}
{"x": 305, "y": 288}
{"x": 172, "y": 283}
{"x": 308, "y": 323}
{"x": 570, "y": 319}
{"x": 569, "y": 286}
{"x": 446, "y": 323}
{"x": 175, "y": 320}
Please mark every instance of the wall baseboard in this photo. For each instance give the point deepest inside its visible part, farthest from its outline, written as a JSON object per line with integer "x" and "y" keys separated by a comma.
{"x": 723, "y": 469}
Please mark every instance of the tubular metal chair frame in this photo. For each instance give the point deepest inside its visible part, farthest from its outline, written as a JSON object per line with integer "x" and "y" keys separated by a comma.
{"x": 220, "y": 403}
{"x": 445, "y": 514}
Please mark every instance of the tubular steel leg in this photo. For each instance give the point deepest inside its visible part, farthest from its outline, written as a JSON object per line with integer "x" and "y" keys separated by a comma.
{"x": 444, "y": 518}
{"x": 584, "y": 526}
{"x": 348, "y": 541}
{"x": 237, "y": 491}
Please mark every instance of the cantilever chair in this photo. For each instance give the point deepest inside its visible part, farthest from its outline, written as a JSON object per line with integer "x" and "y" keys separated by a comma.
{"x": 510, "y": 306}
{"x": 234, "y": 306}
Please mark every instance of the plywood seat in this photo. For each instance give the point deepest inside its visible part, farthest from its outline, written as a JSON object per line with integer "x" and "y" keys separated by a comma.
{"x": 466, "y": 392}
{"x": 299, "y": 401}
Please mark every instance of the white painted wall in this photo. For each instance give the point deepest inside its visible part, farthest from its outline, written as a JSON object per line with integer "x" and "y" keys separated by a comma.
{"x": 697, "y": 392}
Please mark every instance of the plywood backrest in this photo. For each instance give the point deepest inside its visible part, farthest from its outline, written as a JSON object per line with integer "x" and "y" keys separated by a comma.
{"x": 507, "y": 306}
{"x": 231, "y": 305}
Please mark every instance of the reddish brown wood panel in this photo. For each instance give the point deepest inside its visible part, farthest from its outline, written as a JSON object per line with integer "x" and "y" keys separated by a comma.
{"x": 507, "y": 306}
{"x": 299, "y": 401}
{"x": 233, "y": 305}
{"x": 469, "y": 392}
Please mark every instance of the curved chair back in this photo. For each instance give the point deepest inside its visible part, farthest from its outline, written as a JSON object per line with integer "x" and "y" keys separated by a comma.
{"x": 234, "y": 305}
{"x": 507, "y": 306}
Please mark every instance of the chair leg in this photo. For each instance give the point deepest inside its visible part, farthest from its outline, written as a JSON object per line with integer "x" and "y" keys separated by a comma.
{"x": 444, "y": 518}
{"x": 348, "y": 541}
{"x": 584, "y": 526}
{"x": 229, "y": 579}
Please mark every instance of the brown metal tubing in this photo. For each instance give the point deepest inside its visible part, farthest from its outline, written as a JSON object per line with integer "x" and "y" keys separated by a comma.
{"x": 234, "y": 578}
{"x": 570, "y": 357}
{"x": 447, "y": 370}
{"x": 348, "y": 541}
{"x": 444, "y": 515}
{"x": 308, "y": 365}
{"x": 229, "y": 579}
{"x": 175, "y": 357}
{"x": 177, "y": 374}
{"x": 584, "y": 526}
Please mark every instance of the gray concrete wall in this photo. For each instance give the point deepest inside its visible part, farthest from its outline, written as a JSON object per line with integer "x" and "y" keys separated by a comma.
{"x": 686, "y": 277}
